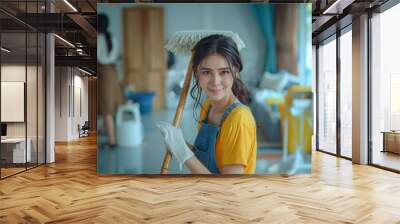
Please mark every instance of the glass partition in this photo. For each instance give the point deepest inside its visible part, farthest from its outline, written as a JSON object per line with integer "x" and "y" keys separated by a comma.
{"x": 327, "y": 97}
{"x": 22, "y": 91}
{"x": 31, "y": 100}
{"x": 13, "y": 104}
{"x": 346, "y": 94}
{"x": 385, "y": 89}
{"x": 41, "y": 86}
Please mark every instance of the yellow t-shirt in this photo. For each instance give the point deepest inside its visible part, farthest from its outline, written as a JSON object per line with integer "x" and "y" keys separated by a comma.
{"x": 237, "y": 139}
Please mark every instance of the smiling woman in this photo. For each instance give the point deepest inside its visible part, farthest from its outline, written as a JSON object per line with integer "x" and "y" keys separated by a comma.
{"x": 226, "y": 142}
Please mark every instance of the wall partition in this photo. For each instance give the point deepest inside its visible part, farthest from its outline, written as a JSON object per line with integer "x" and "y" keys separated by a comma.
{"x": 22, "y": 77}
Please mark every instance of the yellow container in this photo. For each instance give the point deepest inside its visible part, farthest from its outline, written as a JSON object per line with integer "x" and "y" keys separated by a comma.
{"x": 297, "y": 129}
{"x": 275, "y": 101}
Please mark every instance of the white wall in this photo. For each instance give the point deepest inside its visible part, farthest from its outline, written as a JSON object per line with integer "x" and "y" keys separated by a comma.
{"x": 68, "y": 82}
{"x": 61, "y": 103}
{"x": 13, "y": 101}
{"x": 80, "y": 83}
{"x": 12, "y": 73}
{"x": 33, "y": 126}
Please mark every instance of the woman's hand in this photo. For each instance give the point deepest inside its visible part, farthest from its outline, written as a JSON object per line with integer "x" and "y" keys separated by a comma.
{"x": 175, "y": 142}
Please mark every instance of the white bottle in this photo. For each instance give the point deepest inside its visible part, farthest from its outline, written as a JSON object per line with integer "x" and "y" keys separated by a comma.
{"x": 129, "y": 125}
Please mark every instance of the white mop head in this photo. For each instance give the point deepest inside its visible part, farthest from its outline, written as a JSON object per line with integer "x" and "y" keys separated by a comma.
{"x": 182, "y": 42}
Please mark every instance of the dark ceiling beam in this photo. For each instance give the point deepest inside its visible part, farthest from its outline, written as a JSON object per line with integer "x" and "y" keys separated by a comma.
{"x": 84, "y": 24}
{"x": 80, "y": 20}
{"x": 90, "y": 70}
{"x": 332, "y": 28}
{"x": 11, "y": 25}
{"x": 337, "y": 7}
{"x": 91, "y": 5}
{"x": 51, "y": 22}
{"x": 328, "y": 19}
{"x": 320, "y": 22}
{"x": 44, "y": 22}
{"x": 16, "y": 18}
{"x": 324, "y": 16}
{"x": 85, "y": 50}
{"x": 29, "y": 59}
{"x": 75, "y": 61}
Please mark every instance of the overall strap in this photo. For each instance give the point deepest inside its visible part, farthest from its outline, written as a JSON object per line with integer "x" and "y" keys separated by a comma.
{"x": 208, "y": 111}
{"x": 229, "y": 109}
{"x": 226, "y": 112}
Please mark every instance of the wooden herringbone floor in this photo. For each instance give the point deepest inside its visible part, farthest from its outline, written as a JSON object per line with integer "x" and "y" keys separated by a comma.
{"x": 70, "y": 191}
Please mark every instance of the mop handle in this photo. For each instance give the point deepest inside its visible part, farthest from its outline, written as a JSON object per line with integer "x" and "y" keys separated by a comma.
{"x": 178, "y": 114}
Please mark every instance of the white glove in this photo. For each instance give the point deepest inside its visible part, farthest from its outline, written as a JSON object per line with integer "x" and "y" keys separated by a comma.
{"x": 175, "y": 142}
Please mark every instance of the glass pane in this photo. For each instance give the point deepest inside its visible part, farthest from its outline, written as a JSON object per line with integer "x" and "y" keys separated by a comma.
{"x": 314, "y": 72}
{"x": 13, "y": 87}
{"x": 327, "y": 97}
{"x": 41, "y": 99}
{"x": 386, "y": 89}
{"x": 31, "y": 101}
{"x": 22, "y": 67}
{"x": 346, "y": 94}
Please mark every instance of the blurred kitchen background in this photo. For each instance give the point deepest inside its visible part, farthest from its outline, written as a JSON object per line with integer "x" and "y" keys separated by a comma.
{"x": 277, "y": 70}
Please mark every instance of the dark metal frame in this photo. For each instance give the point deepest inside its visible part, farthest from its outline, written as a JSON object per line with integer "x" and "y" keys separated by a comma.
{"x": 26, "y": 88}
{"x": 338, "y": 98}
{"x": 0, "y": 95}
{"x": 45, "y": 92}
{"x": 316, "y": 97}
{"x": 369, "y": 90}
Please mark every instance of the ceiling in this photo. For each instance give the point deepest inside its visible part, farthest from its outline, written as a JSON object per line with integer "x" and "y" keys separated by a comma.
{"x": 330, "y": 15}
{"x": 77, "y": 24}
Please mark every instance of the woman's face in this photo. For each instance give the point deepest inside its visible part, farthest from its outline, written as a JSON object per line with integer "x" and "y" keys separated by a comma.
{"x": 215, "y": 77}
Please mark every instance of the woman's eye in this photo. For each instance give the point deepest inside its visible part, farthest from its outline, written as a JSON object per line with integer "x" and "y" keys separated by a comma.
{"x": 225, "y": 72}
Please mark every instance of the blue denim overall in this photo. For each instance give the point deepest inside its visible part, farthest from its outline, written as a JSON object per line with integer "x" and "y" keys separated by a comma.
{"x": 206, "y": 140}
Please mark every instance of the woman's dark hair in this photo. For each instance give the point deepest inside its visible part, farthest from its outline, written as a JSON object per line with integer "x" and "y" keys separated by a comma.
{"x": 226, "y": 47}
{"x": 102, "y": 25}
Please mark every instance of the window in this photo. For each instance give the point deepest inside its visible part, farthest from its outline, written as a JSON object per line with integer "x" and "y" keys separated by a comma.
{"x": 385, "y": 89}
{"x": 327, "y": 97}
{"x": 346, "y": 94}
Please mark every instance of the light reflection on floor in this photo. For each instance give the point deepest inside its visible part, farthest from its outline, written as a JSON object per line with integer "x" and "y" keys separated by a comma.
{"x": 386, "y": 159}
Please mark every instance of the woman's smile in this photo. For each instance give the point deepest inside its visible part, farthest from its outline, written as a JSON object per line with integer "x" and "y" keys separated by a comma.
{"x": 215, "y": 91}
